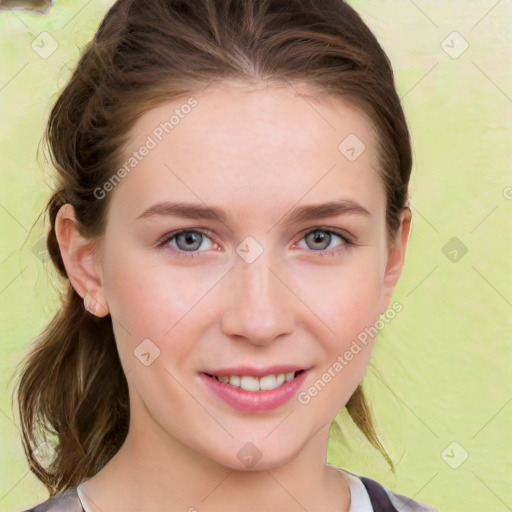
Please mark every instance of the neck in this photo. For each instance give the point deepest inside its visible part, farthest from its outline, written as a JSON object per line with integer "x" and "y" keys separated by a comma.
{"x": 152, "y": 471}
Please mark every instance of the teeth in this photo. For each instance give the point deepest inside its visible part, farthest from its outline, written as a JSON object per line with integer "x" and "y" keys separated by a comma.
{"x": 268, "y": 382}
{"x": 234, "y": 381}
{"x": 250, "y": 383}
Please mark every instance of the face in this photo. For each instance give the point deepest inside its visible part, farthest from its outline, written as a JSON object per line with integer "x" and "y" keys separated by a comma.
{"x": 267, "y": 287}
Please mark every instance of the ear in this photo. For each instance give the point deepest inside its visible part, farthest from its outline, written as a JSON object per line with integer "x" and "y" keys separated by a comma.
{"x": 81, "y": 257}
{"x": 396, "y": 259}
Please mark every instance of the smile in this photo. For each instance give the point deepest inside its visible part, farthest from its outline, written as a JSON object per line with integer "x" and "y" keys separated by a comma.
{"x": 254, "y": 393}
{"x": 252, "y": 383}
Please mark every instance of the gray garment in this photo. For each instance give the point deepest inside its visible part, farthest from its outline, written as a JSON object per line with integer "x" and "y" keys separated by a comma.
{"x": 66, "y": 501}
{"x": 382, "y": 500}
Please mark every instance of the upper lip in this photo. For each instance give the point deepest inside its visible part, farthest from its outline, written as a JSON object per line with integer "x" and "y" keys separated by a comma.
{"x": 255, "y": 372}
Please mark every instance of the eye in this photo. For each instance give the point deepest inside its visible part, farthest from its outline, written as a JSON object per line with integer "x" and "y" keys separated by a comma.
{"x": 319, "y": 239}
{"x": 185, "y": 242}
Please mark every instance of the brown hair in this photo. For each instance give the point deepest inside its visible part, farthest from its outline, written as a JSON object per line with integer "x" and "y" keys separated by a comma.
{"x": 72, "y": 390}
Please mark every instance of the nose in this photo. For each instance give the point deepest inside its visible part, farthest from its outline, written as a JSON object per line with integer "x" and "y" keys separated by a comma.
{"x": 258, "y": 305}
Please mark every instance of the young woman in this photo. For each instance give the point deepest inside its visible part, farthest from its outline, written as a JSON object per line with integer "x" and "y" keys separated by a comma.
{"x": 231, "y": 214}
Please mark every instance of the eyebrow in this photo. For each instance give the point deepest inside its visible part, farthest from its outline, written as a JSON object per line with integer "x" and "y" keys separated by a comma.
{"x": 296, "y": 215}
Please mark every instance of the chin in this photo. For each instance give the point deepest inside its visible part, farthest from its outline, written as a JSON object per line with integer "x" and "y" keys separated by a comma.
{"x": 257, "y": 455}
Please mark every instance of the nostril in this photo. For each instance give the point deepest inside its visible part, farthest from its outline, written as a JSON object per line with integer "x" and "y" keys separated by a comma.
{"x": 35, "y": 6}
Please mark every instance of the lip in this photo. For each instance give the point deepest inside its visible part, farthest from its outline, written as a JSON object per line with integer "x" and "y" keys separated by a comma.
{"x": 254, "y": 401}
{"x": 255, "y": 372}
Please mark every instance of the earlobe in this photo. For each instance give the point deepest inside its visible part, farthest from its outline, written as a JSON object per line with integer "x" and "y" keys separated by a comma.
{"x": 396, "y": 259}
{"x": 96, "y": 306}
{"x": 80, "y": 257}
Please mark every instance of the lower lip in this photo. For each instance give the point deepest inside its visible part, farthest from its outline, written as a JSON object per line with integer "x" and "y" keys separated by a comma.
{"x": 254, "y": 400}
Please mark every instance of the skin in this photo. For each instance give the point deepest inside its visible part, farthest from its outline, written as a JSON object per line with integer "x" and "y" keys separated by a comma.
{"x": 257, "y": 153}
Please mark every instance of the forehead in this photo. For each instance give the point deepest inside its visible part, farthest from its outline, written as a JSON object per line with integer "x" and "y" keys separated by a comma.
{"x": 264, "y": 116}
{"x": 252, "y": 149}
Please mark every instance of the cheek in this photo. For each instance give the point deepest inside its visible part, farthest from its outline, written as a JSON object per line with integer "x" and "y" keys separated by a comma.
{"x": 169, "y": 306}
{"x": 151, "y": 298}
{"x": 151, "y": 317}
{"x": 343, "y": 298}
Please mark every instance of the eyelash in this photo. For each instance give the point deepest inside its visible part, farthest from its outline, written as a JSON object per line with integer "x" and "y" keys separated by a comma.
{"x": 347, "y": 242}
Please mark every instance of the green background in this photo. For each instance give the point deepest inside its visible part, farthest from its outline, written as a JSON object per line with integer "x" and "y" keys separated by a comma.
{"x": 439, "y": 380}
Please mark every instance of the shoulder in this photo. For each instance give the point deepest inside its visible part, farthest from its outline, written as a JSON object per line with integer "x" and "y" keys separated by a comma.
{"x": 385, "y": 500}
{"x": 66, "y": 501}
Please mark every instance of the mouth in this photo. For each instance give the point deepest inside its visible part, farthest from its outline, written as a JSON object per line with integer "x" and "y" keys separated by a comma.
{"x": 254, "y": 390}
{"x": 253, "y": 383}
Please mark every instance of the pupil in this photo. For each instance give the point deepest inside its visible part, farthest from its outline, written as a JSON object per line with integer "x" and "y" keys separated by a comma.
{"x": 190, "y": 238}
{"x": 319, "y": 236}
